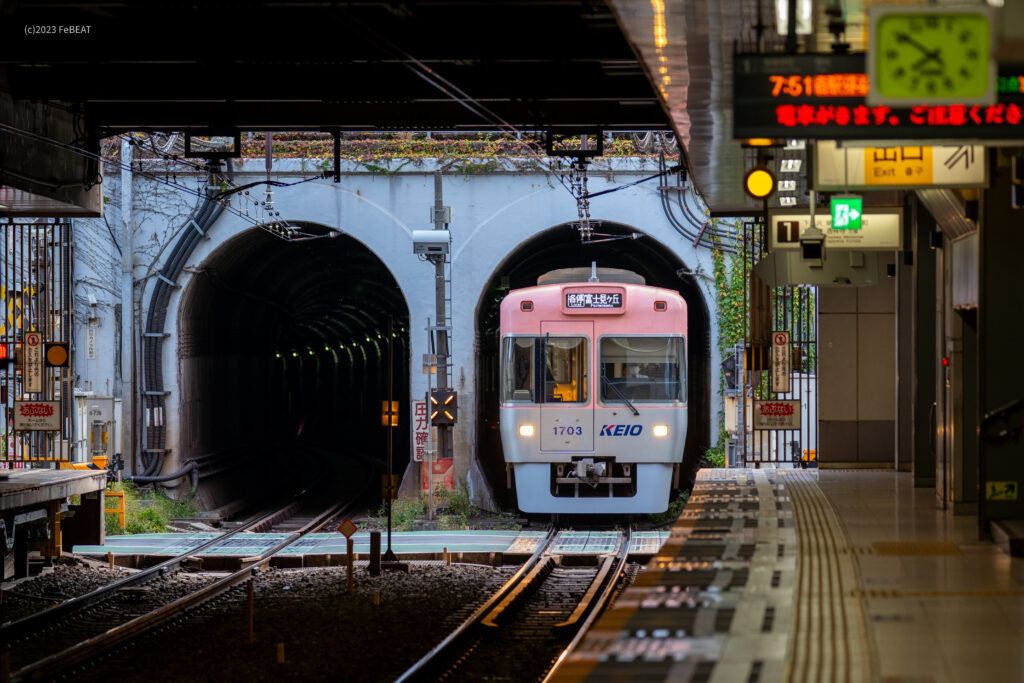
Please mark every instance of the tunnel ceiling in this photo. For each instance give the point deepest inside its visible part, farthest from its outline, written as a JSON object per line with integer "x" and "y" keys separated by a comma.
{"x": 288, "y": 295}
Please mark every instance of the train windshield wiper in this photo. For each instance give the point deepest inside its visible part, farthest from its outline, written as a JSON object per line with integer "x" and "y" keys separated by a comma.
{"x": 607, "y": 382}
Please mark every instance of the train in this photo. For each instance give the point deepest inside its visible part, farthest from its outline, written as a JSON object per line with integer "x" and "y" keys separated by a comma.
{"x": 593, "y": 410}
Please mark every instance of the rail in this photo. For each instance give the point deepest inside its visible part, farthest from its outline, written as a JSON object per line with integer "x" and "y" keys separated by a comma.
{"x": 424, "y": 663}
{"x": 53, "y": 664}
{"x": 598, "y": 605}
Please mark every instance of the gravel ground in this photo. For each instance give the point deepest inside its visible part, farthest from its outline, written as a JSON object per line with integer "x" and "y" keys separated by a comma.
{"x": 326, "y": 634}
{"x": 69, "y": 578}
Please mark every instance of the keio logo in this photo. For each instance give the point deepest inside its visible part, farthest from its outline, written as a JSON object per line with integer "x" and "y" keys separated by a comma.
{"x": 621, "y": 430}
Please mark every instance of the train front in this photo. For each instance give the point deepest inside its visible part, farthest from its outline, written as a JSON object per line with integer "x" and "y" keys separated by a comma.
{"x": 593, "y": 396}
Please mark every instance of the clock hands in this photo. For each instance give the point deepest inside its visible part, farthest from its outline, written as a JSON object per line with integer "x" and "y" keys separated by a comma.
{"x": 929, "y": 55}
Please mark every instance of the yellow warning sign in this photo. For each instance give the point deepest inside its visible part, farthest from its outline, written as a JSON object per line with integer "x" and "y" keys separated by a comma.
{"x": 1000, "y": 490}
{"x": 897, "y": 165}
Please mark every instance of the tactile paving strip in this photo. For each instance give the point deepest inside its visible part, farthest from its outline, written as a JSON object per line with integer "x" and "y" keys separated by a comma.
{"x": 716, "y": 603}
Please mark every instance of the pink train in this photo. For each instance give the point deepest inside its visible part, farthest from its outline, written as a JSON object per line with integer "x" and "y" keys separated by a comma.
{"x": 593, "y": 392}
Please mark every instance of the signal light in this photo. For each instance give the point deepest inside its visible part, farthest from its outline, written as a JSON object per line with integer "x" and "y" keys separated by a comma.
{"x": 444, "y": 407}
{"x": 5, "y": 353}
{"x": 56, "y": 354}
{"x": 759, "y": 182}
{"x": 389, "y": 413}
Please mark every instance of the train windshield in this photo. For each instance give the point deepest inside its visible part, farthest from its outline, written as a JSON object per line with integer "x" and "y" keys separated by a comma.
{"x": 544, "y": 369}
{"x": 643, "y": 369}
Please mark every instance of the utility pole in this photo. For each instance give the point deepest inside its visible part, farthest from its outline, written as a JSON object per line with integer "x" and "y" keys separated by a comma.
{"x": 127, "y": 309}
{"x": 444, "y": 434}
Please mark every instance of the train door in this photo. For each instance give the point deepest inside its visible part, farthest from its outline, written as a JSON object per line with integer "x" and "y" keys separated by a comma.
{"x": 567, "y": 412}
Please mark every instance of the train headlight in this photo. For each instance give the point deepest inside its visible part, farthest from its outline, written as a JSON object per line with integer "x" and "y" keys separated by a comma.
{"x": 525, "y": 430}
{"x": 661, "y": 430}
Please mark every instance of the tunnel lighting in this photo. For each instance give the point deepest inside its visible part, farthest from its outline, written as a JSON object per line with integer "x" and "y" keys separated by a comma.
{"x": 295, "y": 354}
{"x": 525, "y": 430}
{"x": 661, "y": 430}
{"x": 277, "y": 355}
{"x": 311, "y": 352}
{"x": 327, "y": 348}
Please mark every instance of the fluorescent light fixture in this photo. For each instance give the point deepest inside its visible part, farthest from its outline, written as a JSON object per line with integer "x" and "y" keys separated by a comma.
{"x": 803, "y": 16}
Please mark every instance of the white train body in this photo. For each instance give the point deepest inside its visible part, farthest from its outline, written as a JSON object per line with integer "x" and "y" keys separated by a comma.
{"x": 593, "y": 396}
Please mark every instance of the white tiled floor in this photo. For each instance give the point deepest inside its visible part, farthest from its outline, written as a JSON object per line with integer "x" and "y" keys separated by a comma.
{"x": 942, "y": 618}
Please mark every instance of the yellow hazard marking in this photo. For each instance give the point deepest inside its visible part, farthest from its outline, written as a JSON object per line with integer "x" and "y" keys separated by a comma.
{"x": 1001, "y": 490}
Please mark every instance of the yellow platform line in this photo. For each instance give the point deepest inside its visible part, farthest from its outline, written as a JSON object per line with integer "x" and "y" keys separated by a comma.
{"x": 830, "y": 628}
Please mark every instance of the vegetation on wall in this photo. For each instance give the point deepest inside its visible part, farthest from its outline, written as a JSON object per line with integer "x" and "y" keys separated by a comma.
{"x": 146, "y": 512}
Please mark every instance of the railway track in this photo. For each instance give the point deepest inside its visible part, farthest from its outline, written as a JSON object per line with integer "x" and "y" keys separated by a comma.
{"x": 525, "y": 629}
{"x": 83, "y": 628}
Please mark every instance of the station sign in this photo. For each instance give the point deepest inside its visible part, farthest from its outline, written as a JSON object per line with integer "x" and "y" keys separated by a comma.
{"x": 37, "y": 416}
{"x": 32, "y": 373}
{"x": 780, "y": 362}
{"x": 879, "y": 231}
{"x": 777, "y": 415}
{"x": 824, "y": 96}
{"x": 897, "y": 168}
{"x": 423, "y": 435}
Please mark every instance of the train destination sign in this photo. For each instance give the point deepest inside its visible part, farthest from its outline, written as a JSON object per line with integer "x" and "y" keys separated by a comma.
{"x": 872, "y": 168}
{"x": 825, "y": 97}
{"x": 593, "y": 300}
{"x": 777, "y": 414}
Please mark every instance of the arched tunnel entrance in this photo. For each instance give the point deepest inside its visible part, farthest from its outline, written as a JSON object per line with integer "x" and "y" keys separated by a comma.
{"x": 283, "y": 354}
{"x": 560, "y": 247}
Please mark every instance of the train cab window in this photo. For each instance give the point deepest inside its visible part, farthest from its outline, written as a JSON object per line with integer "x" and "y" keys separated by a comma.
{"x": 518, "y": 369}
{"x": 544, "y": 370}
{"x": 565, "y": 369}
{"x": 643, "y": 369}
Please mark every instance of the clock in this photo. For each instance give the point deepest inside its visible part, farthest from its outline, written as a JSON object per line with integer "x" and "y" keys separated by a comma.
{"x": 931, "y": 55}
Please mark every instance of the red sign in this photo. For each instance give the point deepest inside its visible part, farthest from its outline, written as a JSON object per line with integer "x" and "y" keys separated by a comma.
{"x": 37, "y": 416}
{"x": 777, "y": 414}
{"x": 443, "y": 474}
{"x": 348, "y": 527}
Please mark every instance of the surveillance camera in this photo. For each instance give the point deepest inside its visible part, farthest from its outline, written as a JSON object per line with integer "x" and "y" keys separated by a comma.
{"x": 812, "y": 247}
{"x": 430, "y": 242}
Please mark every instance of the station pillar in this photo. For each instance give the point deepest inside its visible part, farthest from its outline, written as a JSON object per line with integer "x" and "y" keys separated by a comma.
{"x": 1000, "y": 338}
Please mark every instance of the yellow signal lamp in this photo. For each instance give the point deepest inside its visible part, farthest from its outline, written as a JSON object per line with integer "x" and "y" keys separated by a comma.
{"x": 759, "y": 182}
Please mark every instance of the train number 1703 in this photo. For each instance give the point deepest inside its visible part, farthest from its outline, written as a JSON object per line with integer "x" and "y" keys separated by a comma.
{"x": 568, "y": 431}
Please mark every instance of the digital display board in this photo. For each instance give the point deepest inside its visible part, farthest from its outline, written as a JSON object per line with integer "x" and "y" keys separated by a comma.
{"x": 825, "y": 97}
{"x": 593, "y": 300}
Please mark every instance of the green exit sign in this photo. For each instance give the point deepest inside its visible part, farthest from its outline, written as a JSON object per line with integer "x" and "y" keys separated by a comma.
{"x": 847, "y": 212}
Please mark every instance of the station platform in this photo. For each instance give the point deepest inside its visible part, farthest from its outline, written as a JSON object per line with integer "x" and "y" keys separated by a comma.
{"x": 329, "y": 548}
{"x": 33, "y": 503}
{"x": 789, "y": 575}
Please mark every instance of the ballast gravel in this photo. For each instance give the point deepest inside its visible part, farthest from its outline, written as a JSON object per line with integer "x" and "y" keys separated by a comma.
{"x": 307, "y": 627}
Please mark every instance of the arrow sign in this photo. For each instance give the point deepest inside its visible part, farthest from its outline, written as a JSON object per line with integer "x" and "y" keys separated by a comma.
{"x": 846, "y": 213}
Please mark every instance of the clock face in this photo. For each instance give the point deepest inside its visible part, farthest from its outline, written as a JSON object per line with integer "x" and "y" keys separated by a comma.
{"x": 932, "y": 55}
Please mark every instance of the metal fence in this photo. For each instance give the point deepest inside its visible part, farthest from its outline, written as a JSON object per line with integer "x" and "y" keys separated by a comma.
{"x": 35, "y": 290}
{"x": 770, "y": 311}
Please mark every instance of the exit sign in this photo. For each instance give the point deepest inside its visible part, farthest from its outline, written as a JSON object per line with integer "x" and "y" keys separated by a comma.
{"x": 846, "y": 213}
